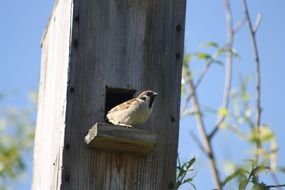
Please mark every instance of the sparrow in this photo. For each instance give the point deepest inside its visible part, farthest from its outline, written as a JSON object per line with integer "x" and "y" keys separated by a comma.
{"x": 133, "y": 112}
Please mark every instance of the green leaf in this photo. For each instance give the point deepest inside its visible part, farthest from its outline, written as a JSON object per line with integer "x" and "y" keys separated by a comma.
{"x": 260, "y": 186}
{"x": 211, "y": 44}
{"x": 16, "y": 131}
{"x": 187, "y": 59}
{"x": 181, "y": 172}
{"x": 203, "y": 56}
{"x": 235, "y": 174}
{"x": 224, "y": 50}
{"x": 191, "y": 162}
{"x": 188, "y": 180}
{"x": 245, "y": 96}
{"x": 243, "y": 184}
{"x": 263, "y": 133}
{"x": 223, "y": 112}
{"x": 183, "y": 90}
{"x": 258, "y": 170}
{"x": 220, "y": 52}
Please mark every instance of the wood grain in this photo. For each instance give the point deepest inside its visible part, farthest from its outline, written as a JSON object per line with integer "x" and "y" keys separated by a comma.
{"x": 47, "y": 167}
{"x": 134, "y": 44}
{"x": 120, "y": 139}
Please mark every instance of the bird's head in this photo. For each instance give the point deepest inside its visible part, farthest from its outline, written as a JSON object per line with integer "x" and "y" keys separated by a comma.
{"x": 148, "y": 96}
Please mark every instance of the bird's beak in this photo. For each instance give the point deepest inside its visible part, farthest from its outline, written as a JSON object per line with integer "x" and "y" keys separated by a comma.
{"x": 154, "y": 94}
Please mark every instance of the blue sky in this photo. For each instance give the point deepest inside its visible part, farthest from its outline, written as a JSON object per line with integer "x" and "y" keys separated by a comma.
{"x": 205, "y": 22}
{"x": 23, "y": 22}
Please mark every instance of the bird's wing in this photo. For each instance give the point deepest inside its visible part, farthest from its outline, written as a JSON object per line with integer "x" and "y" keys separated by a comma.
{"x": 125, "y": 105}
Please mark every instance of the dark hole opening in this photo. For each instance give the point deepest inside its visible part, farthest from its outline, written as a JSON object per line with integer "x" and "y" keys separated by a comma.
{"x": 115, "y": 96}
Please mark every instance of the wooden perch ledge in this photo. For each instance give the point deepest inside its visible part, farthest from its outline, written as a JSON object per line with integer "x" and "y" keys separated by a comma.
{"x": 117, "y": 138}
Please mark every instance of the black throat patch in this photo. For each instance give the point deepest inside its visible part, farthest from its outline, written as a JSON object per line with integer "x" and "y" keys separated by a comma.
{"x": 151, "y": 101}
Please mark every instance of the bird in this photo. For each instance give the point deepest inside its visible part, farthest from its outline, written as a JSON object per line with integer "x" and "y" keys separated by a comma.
{"x": 133, "y": 112}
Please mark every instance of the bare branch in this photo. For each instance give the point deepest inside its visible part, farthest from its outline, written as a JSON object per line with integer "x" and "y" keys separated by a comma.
{"x": 239, "y": 25}
{"x": 228, "y": 71}
{"x": 203, "y": 135}
{"x": 275, "y": 186}
{"x": 203, "y": 74}
{"x": 276, "y": 181}
{"x": 197, "y": 141}
{"x": 235, "y": 29}
{"x": 257, "y": 63}
{"x": 257, "y": 22}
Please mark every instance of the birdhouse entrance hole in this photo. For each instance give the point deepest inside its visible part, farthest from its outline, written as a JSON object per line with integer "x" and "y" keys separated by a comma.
{"x": 115, "y": 96}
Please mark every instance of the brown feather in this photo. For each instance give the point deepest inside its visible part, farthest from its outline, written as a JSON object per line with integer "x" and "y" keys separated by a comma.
{"x": 124, "y": 105}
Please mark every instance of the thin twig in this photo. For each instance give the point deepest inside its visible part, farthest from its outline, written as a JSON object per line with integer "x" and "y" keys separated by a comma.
{"x": 275, "y": 186}
{"x": 202, "y": 75}
{"x": 197, "y": 141}
{"x": 204, "y": 138}
{"x": 236, "y": 28}
{"x": 228, "y": 71}
{"x": 239, "y": 25}
{"x": 276, "y": 181}
{"x": 258, "y": 77}
{"x": 257, "y": 22}
{"x": 238, "y": 132}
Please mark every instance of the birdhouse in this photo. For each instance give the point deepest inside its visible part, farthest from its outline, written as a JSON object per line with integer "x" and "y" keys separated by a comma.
{"x": 95, "y": 55}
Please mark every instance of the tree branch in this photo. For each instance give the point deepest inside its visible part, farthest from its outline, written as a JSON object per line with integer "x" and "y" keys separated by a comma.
{"x": 229, "y": 62}
{"x": 235, "y": 29}
{"x": 204, "y": 138}
{"x": 197, "y": 141}
{"x": 275, "y": 186}
{"x": 239, "y": 25}
{"x": 276, "y": 181}
{"x": 258, "y": 77}
{"x": 257, "y": 22}
{"x": 201, "y": 77}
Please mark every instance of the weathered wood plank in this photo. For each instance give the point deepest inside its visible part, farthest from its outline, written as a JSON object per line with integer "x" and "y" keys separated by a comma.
{"x": 120, "y": 139}
{"x": 52, "y": 99}
{"x": 91, "y": 44}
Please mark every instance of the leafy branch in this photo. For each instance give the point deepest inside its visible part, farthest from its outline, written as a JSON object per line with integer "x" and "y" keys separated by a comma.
{"x": 16, "y": 139}
{"x": 182, "y": 171}
{"x": 250, "y": 177}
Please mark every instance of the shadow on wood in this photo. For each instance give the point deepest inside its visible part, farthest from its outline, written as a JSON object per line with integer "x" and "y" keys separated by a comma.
{"x": 120, "y": 139}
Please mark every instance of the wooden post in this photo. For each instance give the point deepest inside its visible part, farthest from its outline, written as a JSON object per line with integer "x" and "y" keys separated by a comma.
{"x": 96, "y": 53}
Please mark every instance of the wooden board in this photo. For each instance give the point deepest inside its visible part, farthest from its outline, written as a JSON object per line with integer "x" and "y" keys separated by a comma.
{"x": 120, "y": 139}
{"x": 47, "y": 167}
